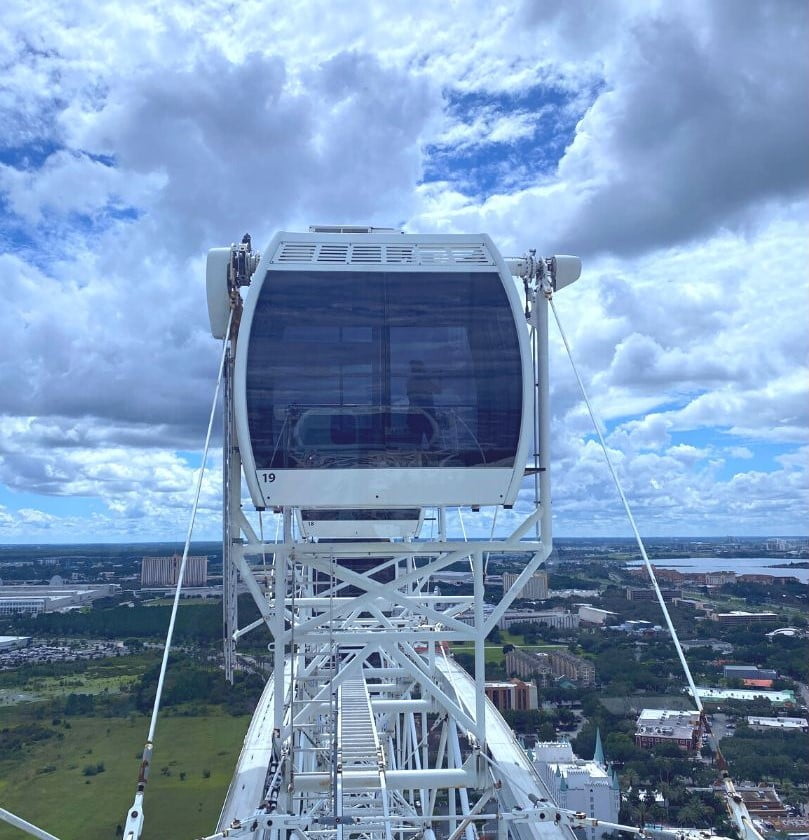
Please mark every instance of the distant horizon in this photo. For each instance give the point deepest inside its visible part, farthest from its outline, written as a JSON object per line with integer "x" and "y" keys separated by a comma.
{"x": 631, "y": 539}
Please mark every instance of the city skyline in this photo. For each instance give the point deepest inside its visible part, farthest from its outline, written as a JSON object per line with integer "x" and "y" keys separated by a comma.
{"x": 652, "y": 141}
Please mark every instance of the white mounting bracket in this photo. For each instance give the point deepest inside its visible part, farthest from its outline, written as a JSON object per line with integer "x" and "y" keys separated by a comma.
{"x": 226, "y": 270}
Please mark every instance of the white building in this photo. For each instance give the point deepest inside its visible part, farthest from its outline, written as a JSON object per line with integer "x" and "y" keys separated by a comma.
{"x": 164, "y": 571}
{"x": 593, "y": 615}
{"x": 785, "y": 723}
{"x": 35, "y": 599}
{"x": 587, "y": 786}
{"x": 744, "y": 694}
{"x": 553, "y": 618}
{"x": 536, "y": 587}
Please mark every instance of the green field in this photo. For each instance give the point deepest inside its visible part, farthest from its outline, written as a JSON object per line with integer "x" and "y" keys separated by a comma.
{"x": 194, "y": 757}
{"x": 494, "y": 653}
{"x": 43, "y": 688}
{"x": 105, "y": 676}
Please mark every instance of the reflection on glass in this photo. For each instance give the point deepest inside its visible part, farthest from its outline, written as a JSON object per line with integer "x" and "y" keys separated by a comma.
{"x": 350, "y": 369}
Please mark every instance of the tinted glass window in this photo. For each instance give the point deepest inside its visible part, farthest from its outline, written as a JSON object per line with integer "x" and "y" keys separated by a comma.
{"x": 350, "y": 370}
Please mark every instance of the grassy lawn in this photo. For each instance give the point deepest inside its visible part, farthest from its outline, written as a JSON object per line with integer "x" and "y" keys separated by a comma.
{"x": 494, "y": 653}
{"x": 44, "y": 782}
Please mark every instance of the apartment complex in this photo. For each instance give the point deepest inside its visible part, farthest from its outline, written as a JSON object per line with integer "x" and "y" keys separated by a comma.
{"x": 553, "y": 664}
{"x": 527, "y": 664}
{"x": 566, "y": 664}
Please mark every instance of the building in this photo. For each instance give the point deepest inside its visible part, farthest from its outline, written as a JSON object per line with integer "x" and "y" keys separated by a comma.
{"x": 573, "y": 593}
{"x": 787, "y": 724}
{"x": 788, "y": 632}
{"x": 553, "y": 618}
{"x": 35, "y": 599}
{"x": 639, "y": 627}
{"x": 776, "y": 697}
{"x": 523, "y": 663}
{"x": 665, "y": 726}
{"x": 748, "y": 673}
{"x": 514, "y": 695}
{"x": 742, "y": 617}
{"x": 668, "y": 575}
{"x": 566, "y": 664}
{"x": 647, "y": 593}
{"x": 767, "y": 580}
{"x": 536, "y": 587}
{"x": 757, "y": 683}
{"x": 586, "y": 786}
{"x": 593, "y": 615}
{"x": 719, "y": 578}
{"x": 164, "y": 571}
{"x": 778, "y": 544}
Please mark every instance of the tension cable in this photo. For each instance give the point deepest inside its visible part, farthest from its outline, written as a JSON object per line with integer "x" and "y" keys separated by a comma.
{"x": 641, "y": 546}
{"x": 134, "y": 818}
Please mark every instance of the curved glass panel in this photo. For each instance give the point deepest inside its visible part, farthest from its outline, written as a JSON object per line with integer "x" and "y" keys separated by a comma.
{"x": 371, "y": 369}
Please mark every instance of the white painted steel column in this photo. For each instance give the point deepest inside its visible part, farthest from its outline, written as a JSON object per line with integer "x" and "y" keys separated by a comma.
{"x": 231, "y": 478}
{"x": 543, "y": 419}
{"x": 480, "y": 653}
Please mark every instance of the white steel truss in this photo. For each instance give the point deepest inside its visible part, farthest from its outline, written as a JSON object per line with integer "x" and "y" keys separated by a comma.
{"x": 368, "y": 728}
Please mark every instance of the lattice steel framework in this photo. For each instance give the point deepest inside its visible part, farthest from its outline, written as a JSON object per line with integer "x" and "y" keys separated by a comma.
{"x": 368, "y": 728}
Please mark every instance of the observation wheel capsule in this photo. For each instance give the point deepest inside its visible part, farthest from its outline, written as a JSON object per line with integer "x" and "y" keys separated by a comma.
{"x": 378, "y": 371}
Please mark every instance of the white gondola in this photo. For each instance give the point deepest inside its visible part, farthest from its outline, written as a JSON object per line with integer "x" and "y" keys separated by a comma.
{"x": 383, "y": 370}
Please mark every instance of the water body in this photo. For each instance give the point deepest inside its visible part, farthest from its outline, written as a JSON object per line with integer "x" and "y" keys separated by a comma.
{"x": 740, "y": 565}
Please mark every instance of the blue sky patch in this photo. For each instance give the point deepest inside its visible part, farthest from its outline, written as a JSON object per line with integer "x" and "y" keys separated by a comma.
{"x": 486, "y": 165}
{"x": 29, "y": 156}
{"x": 59, "y": 506}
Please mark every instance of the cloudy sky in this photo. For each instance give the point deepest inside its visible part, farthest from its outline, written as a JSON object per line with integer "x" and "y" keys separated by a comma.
{"x": 665, "y": 143}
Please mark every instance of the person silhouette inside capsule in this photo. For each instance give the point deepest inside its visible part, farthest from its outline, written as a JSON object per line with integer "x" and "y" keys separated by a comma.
{"x": 421, "y": 390}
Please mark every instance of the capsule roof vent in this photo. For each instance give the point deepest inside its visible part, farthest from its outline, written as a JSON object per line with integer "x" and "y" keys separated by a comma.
{"x": 296, "y": 252}
{"x": 367, "y": 253}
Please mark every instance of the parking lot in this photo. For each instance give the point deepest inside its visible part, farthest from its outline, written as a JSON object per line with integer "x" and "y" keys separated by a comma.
{"x": 41, "y": 651}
